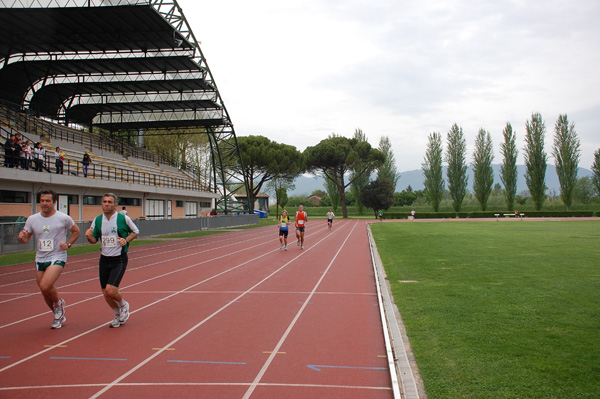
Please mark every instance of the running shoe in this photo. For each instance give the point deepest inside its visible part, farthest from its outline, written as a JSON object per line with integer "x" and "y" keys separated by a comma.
{"x": 298, "y": 242}
{"x": 115, "y": 323}
{"x": 59, "y": 314}
{"x": 302, "y": 247}
{"x": 286, "y": 247}
{"x": 281, "y": 246}
{"x": 124, "y": 313}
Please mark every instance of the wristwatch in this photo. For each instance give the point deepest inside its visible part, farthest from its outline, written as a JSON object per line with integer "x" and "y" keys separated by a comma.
{"x": 69, "y": 245}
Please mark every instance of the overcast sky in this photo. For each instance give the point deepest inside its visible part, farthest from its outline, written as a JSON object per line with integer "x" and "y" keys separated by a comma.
{"x": 297, "y": 71}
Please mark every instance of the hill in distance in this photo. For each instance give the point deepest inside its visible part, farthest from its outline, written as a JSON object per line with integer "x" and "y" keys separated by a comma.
{"x": 305, "y": 185}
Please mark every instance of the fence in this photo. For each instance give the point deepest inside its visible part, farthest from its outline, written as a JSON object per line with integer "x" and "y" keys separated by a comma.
{"x": 9, "y": 242}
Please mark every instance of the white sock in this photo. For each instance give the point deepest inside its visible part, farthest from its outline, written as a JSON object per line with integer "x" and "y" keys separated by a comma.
{"x": 122, "y": 303}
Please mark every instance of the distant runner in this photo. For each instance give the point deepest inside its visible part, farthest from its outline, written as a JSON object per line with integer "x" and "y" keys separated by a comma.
{"x": 330, "y": 216}
{"x": 283, "y": 223}
{"x": 301, "y": 219}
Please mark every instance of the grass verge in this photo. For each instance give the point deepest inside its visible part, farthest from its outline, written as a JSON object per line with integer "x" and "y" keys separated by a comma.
{"x": 499, "y": 310}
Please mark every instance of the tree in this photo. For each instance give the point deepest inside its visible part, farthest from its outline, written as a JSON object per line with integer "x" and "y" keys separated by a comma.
{"x": 457, "y": 167}
{"x": 335, "y": 156}
{"x": 333, "y": 193}
{"x": 378, "y": 195}
{"x": 483, "y": 174}
{"x": 388, "y": 168}
{"x": 359, "y": 181}
{"x": 265, "y": 160}
{"x": 584, "y": 190}
{"x": 566, "y": 154}
{"x": 280, "y": 186}
{"x": 596, "y": 171}
{"x": 535, "y": 160}
{"x": 432, "y": 170}
{"x": 508, "y": 170}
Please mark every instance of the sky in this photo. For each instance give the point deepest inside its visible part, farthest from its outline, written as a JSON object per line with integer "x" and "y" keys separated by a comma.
{"x": 298, "y": 71}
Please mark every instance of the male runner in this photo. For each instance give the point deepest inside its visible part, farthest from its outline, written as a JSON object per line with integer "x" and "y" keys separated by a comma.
{"x": 330, "y": 216}
{"x": 50, "y": 228}
{"x": 116, "y": 232}
{"x": 301, "y": 219}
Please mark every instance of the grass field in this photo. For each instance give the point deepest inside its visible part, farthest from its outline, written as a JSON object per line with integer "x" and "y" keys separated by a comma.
{"x": 499, "y": 309}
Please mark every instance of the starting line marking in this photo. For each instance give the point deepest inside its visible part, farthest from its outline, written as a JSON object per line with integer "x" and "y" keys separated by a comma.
{"x": 318, "y": 367}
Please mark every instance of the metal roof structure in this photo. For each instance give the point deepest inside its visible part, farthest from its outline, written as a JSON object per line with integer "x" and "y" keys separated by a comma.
{"x": 115, "y": 64}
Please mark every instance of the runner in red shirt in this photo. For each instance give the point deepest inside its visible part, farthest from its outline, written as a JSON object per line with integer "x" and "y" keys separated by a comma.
{"x": 301, "y": 219}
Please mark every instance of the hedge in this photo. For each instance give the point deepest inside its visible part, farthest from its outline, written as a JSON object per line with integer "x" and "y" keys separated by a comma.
{"x": 491, "y": 214}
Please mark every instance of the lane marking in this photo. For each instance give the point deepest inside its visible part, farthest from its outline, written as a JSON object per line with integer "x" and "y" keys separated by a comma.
{"x": 205, "y": 362}
{"x": 265, "y": 366}
{"x": 318, "y": 367}
{"x": 163, "y": 349}
{"x": 277, "y": 353}
{"x": 55, "y": 346}
{"x": 86, "y": 358}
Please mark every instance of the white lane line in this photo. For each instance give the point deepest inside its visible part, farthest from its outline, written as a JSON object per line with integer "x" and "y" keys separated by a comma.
{"x": 174, "y": 341}
{"x": 277, "y": 348}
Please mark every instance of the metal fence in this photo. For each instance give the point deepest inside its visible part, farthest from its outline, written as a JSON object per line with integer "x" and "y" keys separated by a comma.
{"x": 9, "y": 242}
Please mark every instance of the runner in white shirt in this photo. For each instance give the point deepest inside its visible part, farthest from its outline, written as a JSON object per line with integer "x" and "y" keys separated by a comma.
{"x": 330, "y": 216}
{"x": 115, "y": 231}
{"x": 50, "y": 228}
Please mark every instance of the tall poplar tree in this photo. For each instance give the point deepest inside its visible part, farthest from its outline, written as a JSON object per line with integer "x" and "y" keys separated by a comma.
{"x": 432, "y": 170}
{"x": 535, "y": 159}
{"x": 566, "y": 154}
{"x": 483, "y": 173}
{"x": 456, "y": 155}
{"x": 508, "y": 170}
{"x": 596, "y": 171}
{"x": 388, "y": 169}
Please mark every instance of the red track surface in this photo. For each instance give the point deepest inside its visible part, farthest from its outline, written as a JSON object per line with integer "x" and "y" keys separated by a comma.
{"x": 223, "y": 316}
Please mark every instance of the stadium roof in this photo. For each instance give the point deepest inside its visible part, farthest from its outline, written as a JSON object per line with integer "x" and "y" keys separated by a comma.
{"x": 120, "y": 64}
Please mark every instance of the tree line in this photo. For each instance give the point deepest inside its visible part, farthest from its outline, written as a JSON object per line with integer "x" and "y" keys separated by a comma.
{"x": 566, "y": 151}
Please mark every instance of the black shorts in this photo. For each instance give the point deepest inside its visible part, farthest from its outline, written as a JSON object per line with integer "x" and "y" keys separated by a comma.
{"x": 112, "y": 269}
{"x": 283, "y": 233}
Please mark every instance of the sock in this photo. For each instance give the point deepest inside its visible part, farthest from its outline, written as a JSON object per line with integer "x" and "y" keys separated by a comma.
{"x": 122, "y": 303}
{"x": 116, "y": 311}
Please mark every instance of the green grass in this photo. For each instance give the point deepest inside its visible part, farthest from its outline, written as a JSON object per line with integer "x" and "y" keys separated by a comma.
{"x": 499, "y": 310}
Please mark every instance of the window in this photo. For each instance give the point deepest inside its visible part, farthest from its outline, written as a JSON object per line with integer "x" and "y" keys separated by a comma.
{"x": 14, "y": 197}
{"x": 92, "y": 200}
{"x": 205, "y": 204}
{"x": 129, "y": 201}
{"x": 191, "y": 209}
{"x": 155, "y": 208}
{"x": 179, "y": 204}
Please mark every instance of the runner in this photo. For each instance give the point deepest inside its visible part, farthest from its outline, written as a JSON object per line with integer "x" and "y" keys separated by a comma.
{"x": 50, "y": 228}
{"x": 330, "y": 216}
{"x": 301, "y": 219}
{"x": 116, "y": 232}
{"x": 284, "y": 221}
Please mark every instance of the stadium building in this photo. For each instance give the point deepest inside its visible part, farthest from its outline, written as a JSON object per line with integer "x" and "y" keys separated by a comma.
{"x": 77, "y": 75}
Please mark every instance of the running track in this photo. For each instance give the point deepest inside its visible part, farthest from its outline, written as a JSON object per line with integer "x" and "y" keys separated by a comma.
{"x": 223, "y": 316}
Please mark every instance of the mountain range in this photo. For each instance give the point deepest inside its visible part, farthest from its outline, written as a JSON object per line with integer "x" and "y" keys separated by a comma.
{"x": 305, "y": 185}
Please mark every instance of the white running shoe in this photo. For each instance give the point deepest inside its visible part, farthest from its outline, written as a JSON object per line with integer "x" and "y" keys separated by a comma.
{"x": 115, "y": 323}
{"x": 281, "y": 246}
{"x": 286, "y": 247}
{"x": 298, "y": 242}
{"x": 124, "y": 313}
{"x": 302, "y": 247}
{"x": 59, "y": 314}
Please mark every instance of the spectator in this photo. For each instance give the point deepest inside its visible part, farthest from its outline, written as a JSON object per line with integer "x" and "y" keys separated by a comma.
{"x": 59, "y": 157}
{"x": 27, "y": 155}
{"x": 9, "y": 152}
{"x": 39, "y": 156}
{"x": 86, "y": 161}
{"x": 18, "y": 158}
{"x": 124, "y": 210}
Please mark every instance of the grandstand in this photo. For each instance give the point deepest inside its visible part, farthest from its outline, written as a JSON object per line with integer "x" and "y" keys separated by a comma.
{"x": 85, "y": 70}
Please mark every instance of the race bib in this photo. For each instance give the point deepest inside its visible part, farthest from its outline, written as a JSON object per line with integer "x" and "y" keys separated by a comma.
{"x": 283, "y": 225}
{"x": 301, "y": 222}
{"x": 110, "y": 241}
{"x": 46, "y": 245}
